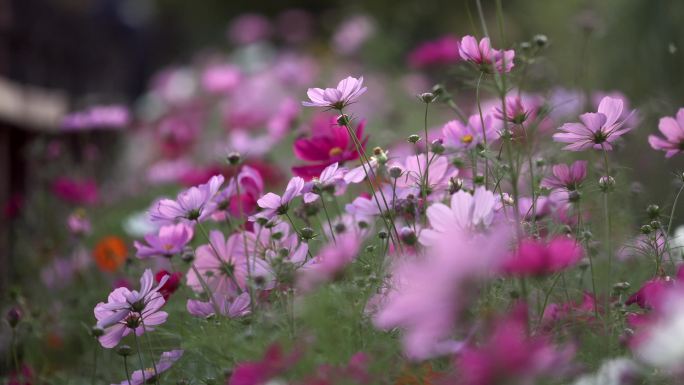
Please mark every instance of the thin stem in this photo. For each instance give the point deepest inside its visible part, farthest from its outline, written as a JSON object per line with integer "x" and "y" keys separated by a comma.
{"x": 325, "y": 211}
{"x": 427, "y": 155}
{"x": 231, "y": 275}
{"x": 207, "y": 290}
{"x": 128, "y": 376}
{"x": 669, "y": 226}
{"x": 149, "y": 347}
{"x": 484, "y": 131}
{"x": 546, "y": 298}
{"x": 95, "y": 350}
{"x": 142, "y": 365}
{"x": 530, "y": 165}
{"x": 13, "y": 344}
{"x": 241, "y": 228}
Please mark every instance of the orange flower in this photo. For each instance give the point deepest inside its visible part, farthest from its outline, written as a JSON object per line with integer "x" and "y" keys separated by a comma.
{"x": 110, "y": 253}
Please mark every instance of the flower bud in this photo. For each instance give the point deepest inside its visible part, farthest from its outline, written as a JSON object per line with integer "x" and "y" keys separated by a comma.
{"x": 540, "y": 40}
{"x": 456, "y": 162}
{"x": 395, "y": 172}
{"x": 124, "y": 351}
{"x": 408, "y": 236}
{"x": 96, "y": 331}
{"x": 479, "y": 180}
{"x": 427, "y": 97}
{"x": 653, "y": 211}
{"x": 343, "y": 120}
{"x": 307, "y": 233}
{"x": 621, "y": 287}
{"x": 283, "y": 252}
{"x": 380, "y": 155}
{"x": 438, "y": 90}
{"x": 370, "y": 248}
{"x": 188, "y": 254}
{"x": 437, "y": 146}
{"x": 234, "y": 158}
{"x": 646, "y": 229}
{"x": 413, "y": 139}
{"x": 525, "y": 46}
{"x": 507, "y": 199}
{"x": 340, "y": 228}
{"x": 455, "y": 185}
{"x": 606, "y": 183}
{"x": 655, "y": 224}
{"x": 574, "y": 196}
{"x": 382, "y": 234}
{"x": 586, "y": 235}
{"x": 13, "y": 316}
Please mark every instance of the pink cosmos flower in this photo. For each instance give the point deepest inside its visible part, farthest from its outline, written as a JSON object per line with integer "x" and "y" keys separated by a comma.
{"x": 331, "y": 180}
{"x": 460, "y": 136}
{"x": 539, "y": 258}
{"x": 222, "y": 264}
{"x": 78, "y": 223}
{"x": 426, "y": 296}
{"x": 97, "y": 117}
{"x": 597, "y": 130}
{"x": 273, "y": 204}
{"x": 570, "y": 312}
{"x": 413, "y": 169}
{"x": 169, "y": 241}
{"x": 484, "y": 56}
{"x": 249, "y": 184}
{"x": 249, "y": 28}
{"x": 444, "y": 50}
{"x": 221, "y": 78}
{"x": 351, "y": 35}
{"x": 467, "y": 213}
{"x": 516, "y": 112}
{"x": 651, "y": 293}
{"x": 346, "y": 92}
{"x": 673, "y": 130}
{"x": 147, "y": 375}
{"x": 330, "y": 261}
{"x": 131, "y": 310}
{"x": 193, "y": 204}
{"x": 567, "y": 177}
{"x": 238, "y": 307}
{"x": 511, "y": 356}
{"x": 271, "y": 365}
{"x": 328, "y": 144}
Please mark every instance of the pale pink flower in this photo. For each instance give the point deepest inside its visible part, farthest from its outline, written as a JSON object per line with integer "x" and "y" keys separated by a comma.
{"x": 567, "y": 177}
{"x": 169, "y": 241}
{"x": 597, "y": 130}
{"x": 673, "y": 130}
{"x": 126, "y": 311}
{"x": 235, "y": 308}
{"x": 329, "y": 262}
{"x": 484, "y": 56}
{"x": 331, "y": 179}
{"x": 274, "y": 204}
{"x": 220, "y": 78}
{"x": 147, "y": 375}
{"x": 413, "y": 174}
{"x": 467, "y": 136}
{"x": 222, "y": 264}
{"x": 516, "y": 111}
{"x": 193, "y": 204}
{"x": 346, "y": 92}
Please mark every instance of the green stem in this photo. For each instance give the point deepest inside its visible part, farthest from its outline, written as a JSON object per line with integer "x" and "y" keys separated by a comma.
{"x": 128, "y": 376}
{"x": 241, "y": 228}
{"x": 546, "y": 298}
{"x": 95, "y": 349}
{"x": 149, "y": 347}
{"x": 484, "y": 131}
{"x": 669, "y": 227}
{"x": 327, "y": 217}
{"x": 142, "y": 365}
{"x": 427, "y": 155}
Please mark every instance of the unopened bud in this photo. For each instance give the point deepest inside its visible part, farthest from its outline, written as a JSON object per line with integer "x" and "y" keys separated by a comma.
{"x": 437, "y": 146}
{"x": 340, "y": 228}
{"x": 653, "y": 211}
{"x": 540, "y": 40}
{"x": 655, "y": 224}
{"x": 124, "y": 351}
{"x": 606, "y": 183}
{"x": 234, "y": 158}
{"x": 408, "y": 236}
{"x": 574, "y": 196}
{"x": 395, "y": 172}
{"x": 413, "y": 139}
{"x": 13, "y": 316}
{"x": 343, "y": 120}
{"x": 587, "y": 235}
{"x": 455, "y": 185}
{"x": 380, "y": 155}
{"x": 479, "y": 180}
{"x": 427, "y": 97}
{"x": 621, "y": 287}
{"x": 307, "y": 233}
{"x": 646, "y": 229}
{"x": 188, "y": 254}
{"x": 96, "y": 331}
{"x": 382, "y": 234}
{"x": 507, "y": 199}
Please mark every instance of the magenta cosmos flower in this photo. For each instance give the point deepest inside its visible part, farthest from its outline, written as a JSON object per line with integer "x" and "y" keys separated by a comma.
{"x": 673, "y": 130}
{"x": 484, "y": 56}
{"x": 274, "y": 204}
{"x": 539, "y": 258}
{"x": 467, "y": 136}
{"x": 436, "y": 52}
{"x": 597, "y": 130}
{"x": 329, "y": 143}
{"x": 169, "y": 241}
{"x": 193, "y": 204}
{"x": 274, "y": 363}
{"x": 147, "y": 375}
{"x": 126, "y": 311}
{"x": 567, "y": 177}
{"x": 346, "y": 92}
{"x": 511, "y": 356}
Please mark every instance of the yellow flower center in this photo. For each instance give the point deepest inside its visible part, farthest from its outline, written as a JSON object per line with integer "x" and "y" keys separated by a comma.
{"x": 168, "y": 247}
{"x": 467, "y": 139}
{"x": 335, "y": 151}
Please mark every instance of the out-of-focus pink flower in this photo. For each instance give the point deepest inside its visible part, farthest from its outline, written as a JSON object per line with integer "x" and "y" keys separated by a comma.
{"x": 171, "y": 284}
{"x": 348, "y": 90}
{"x": 249, "y": 185}
{"x": 23, "y": 377}
{"x": 511, "y": 356}
{"x": 12, "y": 207}
{"x": 567, "y": 177}
{"x": 147, "y": 375}
{"x": 249, "y": 28}
{"x": 126, "y": 311}
{"x": 516, "y": 112}
{"x": 539, "y": 258}
{"x": 328, "y": 144}
{"x": 97, "y": 117}
{"x": 461, "y": 136}
{"x": 597, "y": 130}
{"x": 427, "y": 295}
{"x": 444, "y": 50}
{"x": 177, "y": 131}
{"x": 273, "y": 204}
{"x": 222, "y": 264}
{"x": 330, "y": 261}
{"x": 295, "y": 25}
{"x": 673, "y": 130}
{"x": 413, "y": 174}
{"x": 75, "y": 191}
{"x": 468, "y": 213}
{"x": 353, "y": 33}
{"x": 78, "y": 223}
{"x": 651, "y": 293}
{"x": 193, "y": 204}
{"x": 274, "y": 363}
{"x": 169, "y": 241}
{"x": 484, "y": 56}
{"x": 356, "y": 370}
{"x": 221, "y": 78}
{"x": 570, "y": 312}
{"x": 238, "y": 307}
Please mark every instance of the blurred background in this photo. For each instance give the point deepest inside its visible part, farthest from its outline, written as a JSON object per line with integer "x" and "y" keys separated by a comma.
{"x": 145, "y": 59}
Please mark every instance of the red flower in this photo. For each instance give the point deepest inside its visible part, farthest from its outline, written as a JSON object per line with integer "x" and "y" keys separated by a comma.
{"x": 171, "y": 284}
{"x": 329, "y": 143}
{"x": 259, "y": 372}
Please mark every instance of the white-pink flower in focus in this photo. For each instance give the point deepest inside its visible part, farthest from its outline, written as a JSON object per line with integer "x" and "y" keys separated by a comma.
{"x": 346, "y": 92}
